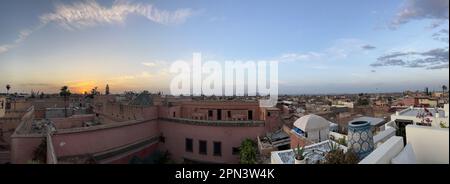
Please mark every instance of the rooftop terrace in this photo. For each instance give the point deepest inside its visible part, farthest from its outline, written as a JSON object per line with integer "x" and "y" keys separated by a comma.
{"x": 315, "y": 153}
{"x": 415, "y": 111}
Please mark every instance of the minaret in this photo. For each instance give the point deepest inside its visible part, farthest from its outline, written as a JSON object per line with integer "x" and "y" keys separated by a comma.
{"x": 107, "y": 89}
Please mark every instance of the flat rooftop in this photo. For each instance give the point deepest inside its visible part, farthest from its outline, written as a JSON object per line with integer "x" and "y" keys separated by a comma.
{"x": 315, "y": 153}
{"x": 415, "y": 111}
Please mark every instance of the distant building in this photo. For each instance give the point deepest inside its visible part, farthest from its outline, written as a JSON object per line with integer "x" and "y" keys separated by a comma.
{"x": 423, "y": 116}
{"x": 420, "y": 101}
{"x": 341, "y": 103}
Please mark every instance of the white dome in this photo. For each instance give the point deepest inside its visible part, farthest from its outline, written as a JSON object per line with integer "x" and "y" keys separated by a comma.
{"x": 311, "y": 122}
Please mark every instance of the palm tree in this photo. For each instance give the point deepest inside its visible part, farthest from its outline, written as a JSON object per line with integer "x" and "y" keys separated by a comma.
{"x": 7, "y": 88}
{"x": 94, "y": 91}
{"x": 444, "y": 88}
{"x": 107, "y": 89}
{"x": 65, "y": 92}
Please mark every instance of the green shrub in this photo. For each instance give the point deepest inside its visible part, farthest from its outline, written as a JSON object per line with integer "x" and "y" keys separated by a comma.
{"x": 248, "y": 152}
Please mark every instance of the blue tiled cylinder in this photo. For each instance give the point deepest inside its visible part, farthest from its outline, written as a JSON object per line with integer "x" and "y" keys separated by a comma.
{"x": 360, "y": 138}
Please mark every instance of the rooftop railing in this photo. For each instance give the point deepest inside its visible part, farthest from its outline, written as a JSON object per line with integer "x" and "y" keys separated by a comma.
{"x": 215, "y": 122}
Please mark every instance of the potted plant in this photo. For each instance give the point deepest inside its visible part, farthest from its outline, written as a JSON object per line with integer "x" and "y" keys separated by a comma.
{"x": 300, "y": 155}
{"x": 336, "y": 155}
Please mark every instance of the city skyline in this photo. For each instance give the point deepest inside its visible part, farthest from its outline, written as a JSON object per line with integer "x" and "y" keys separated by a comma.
{"x": 356, "y": 46}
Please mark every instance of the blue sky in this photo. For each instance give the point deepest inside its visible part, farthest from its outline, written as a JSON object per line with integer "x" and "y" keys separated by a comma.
{"x": 346, "y": 46}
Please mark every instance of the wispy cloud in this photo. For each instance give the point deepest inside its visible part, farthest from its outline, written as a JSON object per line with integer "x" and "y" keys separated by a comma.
{"x": 309, "y": 56}
{"x": 340, "y": 49}
{"x": 36, "y": 84}
{"x": 158, "y": 76}
{"x": 443, "y": 66}
{"x": 421, "y": 9}
{"x": 368, "y": 47}
{"x": 441, "y": 35}
{"x": 432, "y": 59}
{"x": 149, "y": 64}
{"x": 217, "y": 19}
{"x": 20, "y": 38}
{"x": 89, "y": 13}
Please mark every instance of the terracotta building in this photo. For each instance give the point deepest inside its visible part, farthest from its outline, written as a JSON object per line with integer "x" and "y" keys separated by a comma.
{"x": 124, "y": 128}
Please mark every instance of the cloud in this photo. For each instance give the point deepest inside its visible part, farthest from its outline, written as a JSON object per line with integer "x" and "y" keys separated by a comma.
{"x": 421, "y": 9}
{"x": 23, "y": 34}
{"x": 432, "y": 59}
{"x": 340, "y": 49}
{"x": 441, "y": 35}
{"x": 368, "y": 47}
{"x": 5, "y": 48}
{"x": 89, "y": 13}
{"x": 436, "y": 23}
{"x": 149, "y": 64}
{"x": 36, "y": 84}
{"x": 217, "y": 19}
{"x": 300, "y": 56}
{"x": 443, "y": 66}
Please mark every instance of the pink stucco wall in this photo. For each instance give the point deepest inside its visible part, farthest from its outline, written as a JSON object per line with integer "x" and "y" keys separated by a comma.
{"x": 134, "y": 123}
{"x": 141, "y": 154}
{"x": 238, "y": 110}
{"x": 101, "y": 139}
{"x": 22, "y": 148}
{"x": 176, "y": 133}
{"x": 71, "y": 122}
{"x": 273, "y": 121}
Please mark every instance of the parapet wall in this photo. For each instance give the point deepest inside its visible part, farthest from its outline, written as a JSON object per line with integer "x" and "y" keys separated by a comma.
{"x": 71, "y": 122}
{"x": 89, "y": 140}
{"x": 175, "y": 135}
{"x": 22, "y": 147}
{"x": 430, "y": 144}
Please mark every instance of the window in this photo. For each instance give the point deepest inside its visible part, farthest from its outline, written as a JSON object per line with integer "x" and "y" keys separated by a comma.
{"x": 210, "y": 113}
{"x": 202, "y": 147}
{"x": 217, "y": 149}
{"x": 174, "y": 115}
{"x": 229, "y": 114}
{"x": 250, "y": 115}
{"x": 268, "y": 114}
{"x": 162, "y": 139}
{"x": 235, "y": 151}
{"x": 219, "y": 114}
{"x": 189, "y": 145}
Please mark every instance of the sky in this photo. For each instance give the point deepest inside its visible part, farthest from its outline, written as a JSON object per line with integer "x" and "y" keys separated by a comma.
{"x": 322, "y": 46}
